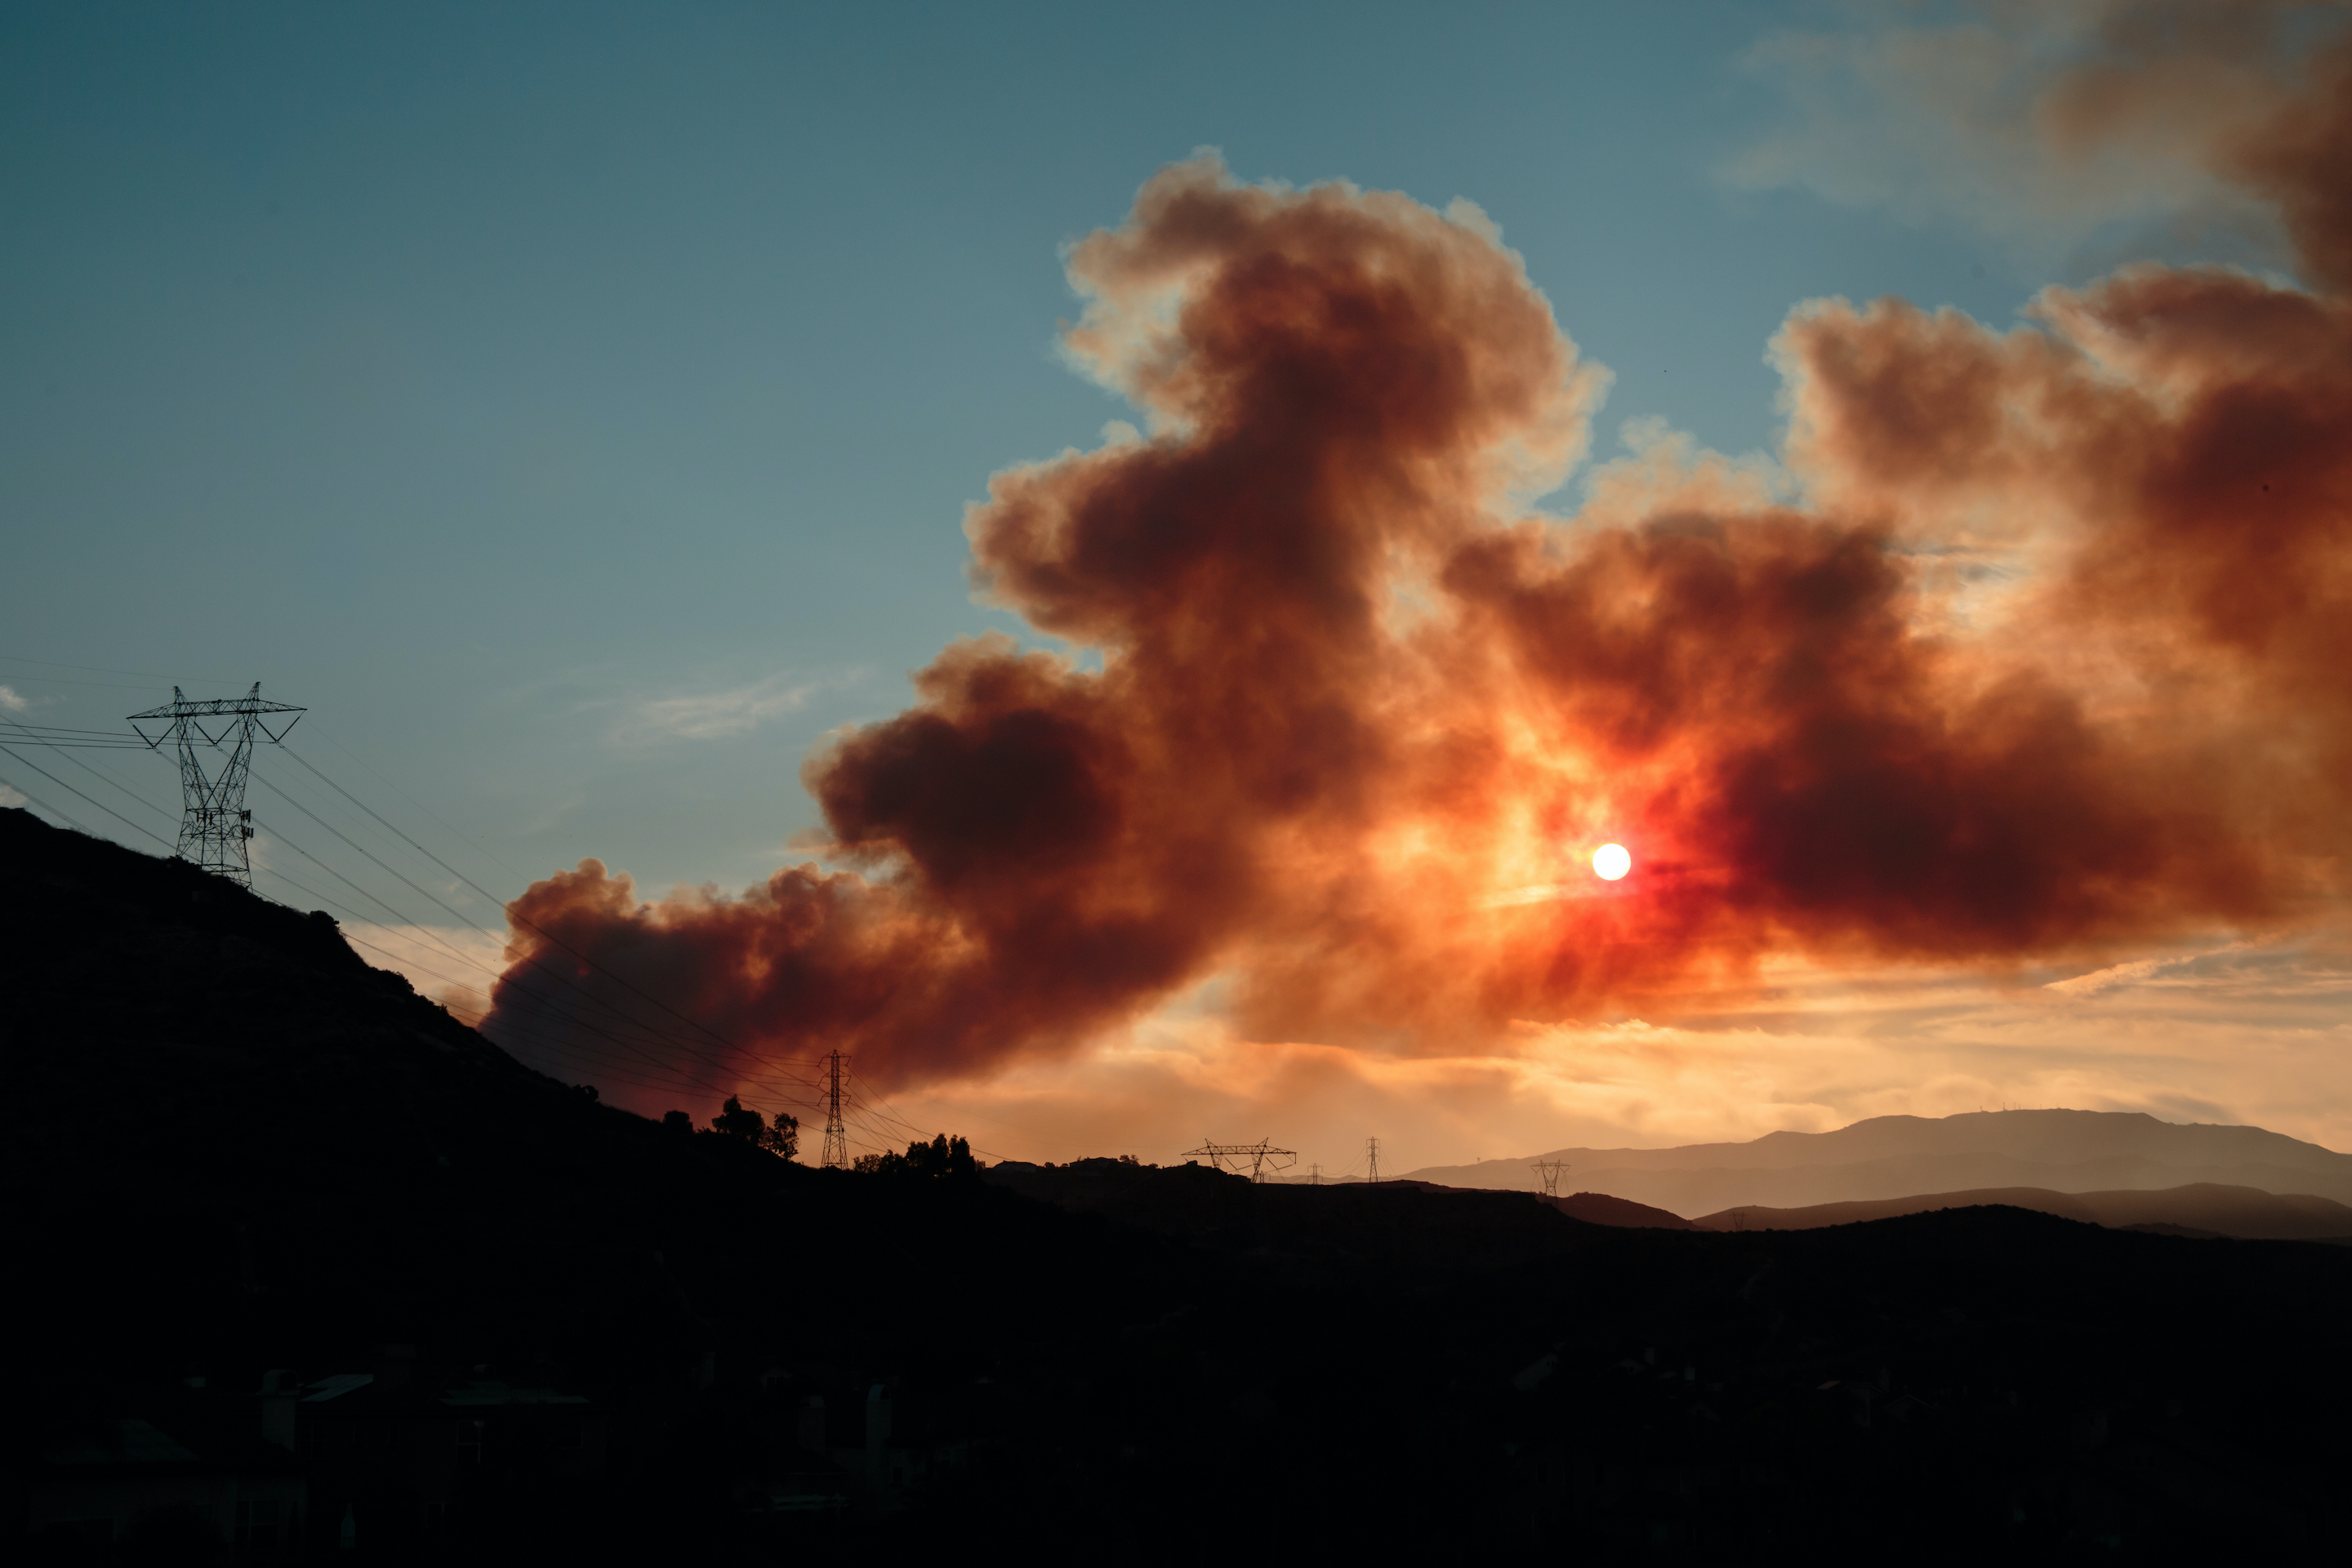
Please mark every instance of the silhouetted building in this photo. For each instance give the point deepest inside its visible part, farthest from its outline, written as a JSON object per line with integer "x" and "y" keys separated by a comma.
{"x": 404, "y": 1461}
{"x": 105, "y": 1482}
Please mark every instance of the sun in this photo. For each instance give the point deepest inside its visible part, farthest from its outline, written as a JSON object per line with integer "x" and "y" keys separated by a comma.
{"x": 1611, "y": 861}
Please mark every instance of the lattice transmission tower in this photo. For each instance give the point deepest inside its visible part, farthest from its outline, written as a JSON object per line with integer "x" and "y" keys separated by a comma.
{"x": 1260, "y": 1157}
{"x": 837, "y": 1137}
{"x": 213, "y": 824}
{"x": 1372, "y": 1159}
{"x": 1547, "y": 1171}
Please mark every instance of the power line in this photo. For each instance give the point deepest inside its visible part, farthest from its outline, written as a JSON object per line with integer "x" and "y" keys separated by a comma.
{"x": 115, "y": 735}
{"x": 782, "y": 1065}
{"x": 69, "y": 730}
{"x": 774, "y": 1065}
{"x": 586, "y": 1059}
{"x": 673, "y": 1067}
{"x": 78, "y": 795}
{"x": 510, "y": 914}
{"x": 401, "y": 919}
{"x": 52, "y": 810}
{"x": 888, "y": 1112}
{"x": 875, "y": 1095}
{"x": 891, "y": 1119}
{"x": 60, "y": 736}
{"x": 108, "y": 669}
{"x": 596, "y": 1059}
{"x": 590, "y": 1059}
{"x": 355, "y": 844}
{"x": 109, "y": 779}
{"x": 328, "y": 736}
{"x": 105, "y": 685}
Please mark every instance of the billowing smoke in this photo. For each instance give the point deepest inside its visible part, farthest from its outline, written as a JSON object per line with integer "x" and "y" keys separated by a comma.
{"x": 2048, "y": 647}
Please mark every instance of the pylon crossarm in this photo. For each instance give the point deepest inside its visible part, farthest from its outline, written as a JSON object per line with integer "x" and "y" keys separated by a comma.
{"x": 231, "y": 707}
{"x": 1255, "y": 1156}
{"x": 214, "y": 826}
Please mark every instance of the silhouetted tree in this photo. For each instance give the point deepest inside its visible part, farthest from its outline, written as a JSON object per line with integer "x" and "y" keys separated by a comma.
{"x": 741, "y": 1124}
{"x": 780, "y": 1137}
{"x": 943, "y": 1156}
{"x": 677, "y": 1122}
{"x": 783, "y": 1137}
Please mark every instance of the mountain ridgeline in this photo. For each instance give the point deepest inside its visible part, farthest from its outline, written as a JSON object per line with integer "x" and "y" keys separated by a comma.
{"x": 1894, "y": 1157}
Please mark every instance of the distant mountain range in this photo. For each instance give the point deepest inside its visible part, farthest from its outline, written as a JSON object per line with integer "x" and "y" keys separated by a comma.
{"x": 1900, "y": 1157}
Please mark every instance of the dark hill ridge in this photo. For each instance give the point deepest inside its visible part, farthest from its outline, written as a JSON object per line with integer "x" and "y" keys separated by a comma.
{"x": 231, "y": 1147}
{"x": 1426, "y": 1220}
{"x": 1445, "y": 1227}
{"x": 1898, "y": 1156}
{"x": 2202, "y": 1209}
{"x": 231, "y": 1142}
{"x": 1599, "y": 1208}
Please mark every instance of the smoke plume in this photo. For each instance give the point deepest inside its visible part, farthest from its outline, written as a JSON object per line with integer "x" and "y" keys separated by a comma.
{"x": 2048, "y": 654}
{"x": 2074, "y": 123}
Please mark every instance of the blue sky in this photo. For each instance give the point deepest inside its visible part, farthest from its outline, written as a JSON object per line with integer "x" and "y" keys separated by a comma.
{"x": 575, "y": 405}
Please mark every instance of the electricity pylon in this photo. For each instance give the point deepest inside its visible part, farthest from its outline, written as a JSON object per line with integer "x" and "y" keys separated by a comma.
{"x": 214, "y": 823}
{"x": 1260, "y": 1157}
{"x": 1547, "y": 1171}
{"x": 837, "y": 1137}
{"x": 1372, "y": 1159}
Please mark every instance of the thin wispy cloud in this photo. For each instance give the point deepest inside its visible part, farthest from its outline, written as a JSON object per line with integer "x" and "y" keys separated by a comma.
{"x": 716, "y": 715}
{"x": 552, "y": 812}
{"x": 11, "y": 702}
{"x": 2137, "y": 970}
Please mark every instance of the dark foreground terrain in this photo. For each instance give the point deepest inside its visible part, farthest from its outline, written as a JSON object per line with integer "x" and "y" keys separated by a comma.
{"x": 304, "y": 1268}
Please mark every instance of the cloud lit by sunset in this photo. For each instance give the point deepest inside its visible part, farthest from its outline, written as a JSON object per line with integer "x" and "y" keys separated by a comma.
{"x": 2026, "y": 659}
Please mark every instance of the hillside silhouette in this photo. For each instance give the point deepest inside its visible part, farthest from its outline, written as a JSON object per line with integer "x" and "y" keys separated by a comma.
{"x": 1601, "y": 1208}
{"x": 1902, "y": 1156}
{"x": 288, "y": 1235}
{"x": 2203, "y": 1209}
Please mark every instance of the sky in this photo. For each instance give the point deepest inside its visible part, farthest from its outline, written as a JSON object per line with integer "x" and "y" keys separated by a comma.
{"x": 578, "y": 408}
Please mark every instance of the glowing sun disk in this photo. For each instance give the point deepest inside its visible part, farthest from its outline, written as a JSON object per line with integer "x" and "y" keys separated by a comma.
{"x": 1611, "y": 861}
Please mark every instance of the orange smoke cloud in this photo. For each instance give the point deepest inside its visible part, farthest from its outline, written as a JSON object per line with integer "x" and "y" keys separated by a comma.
{"x": 2051, "y": 656}
{"x": 2222, "y": 83}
